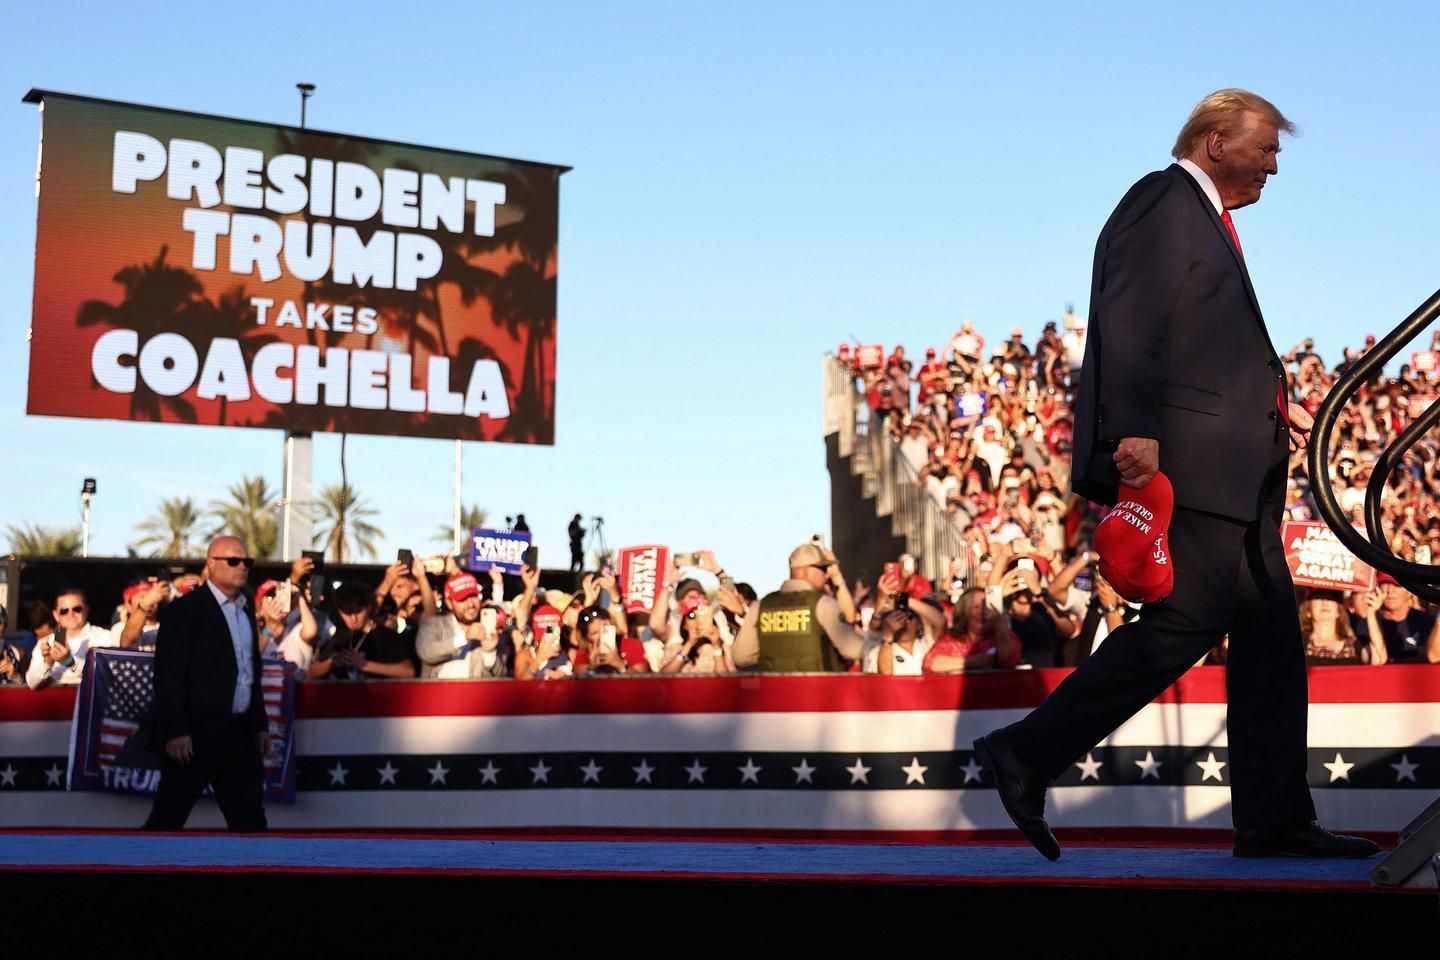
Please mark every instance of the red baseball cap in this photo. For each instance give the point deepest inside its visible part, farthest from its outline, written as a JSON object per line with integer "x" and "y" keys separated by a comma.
{"x": 1133, "y": 542}
{"x": 266, "y": 587}
{"x": 544, "y": 616}
{"x": 462, "y": 586}
{"x": 692, "y": 602}
{"x": 135, "y": 589}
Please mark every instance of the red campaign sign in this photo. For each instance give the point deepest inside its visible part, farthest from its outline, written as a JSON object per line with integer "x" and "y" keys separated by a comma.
{"x": 1418, "y": 403}
{"x": 870, "y": 356}
{"x": 642, "y": 574}
{"x": 1317, "y": 558}
{"x": 1423, "y": 361}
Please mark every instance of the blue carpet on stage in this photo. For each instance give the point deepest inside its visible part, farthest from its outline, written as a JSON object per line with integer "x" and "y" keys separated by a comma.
{"x": 930, "y": 863}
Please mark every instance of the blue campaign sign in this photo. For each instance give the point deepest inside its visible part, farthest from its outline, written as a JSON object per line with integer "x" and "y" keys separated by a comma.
{"x": 495, "y": 548}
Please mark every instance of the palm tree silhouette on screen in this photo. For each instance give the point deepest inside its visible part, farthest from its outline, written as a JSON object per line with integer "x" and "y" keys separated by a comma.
{"x": 158, "y": 297}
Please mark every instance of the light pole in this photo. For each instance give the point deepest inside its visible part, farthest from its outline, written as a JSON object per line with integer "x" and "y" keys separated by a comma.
{"x": 87, "y": 491}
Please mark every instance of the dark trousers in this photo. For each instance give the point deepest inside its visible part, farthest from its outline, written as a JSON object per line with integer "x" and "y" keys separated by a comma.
{"x": 226, "y": 759}
{"x": 1230, "y": 577}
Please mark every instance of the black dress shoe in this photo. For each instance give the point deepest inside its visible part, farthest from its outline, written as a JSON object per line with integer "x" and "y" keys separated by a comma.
{"x": 1309, "y": 840}
{"x": 1022, "y": 791}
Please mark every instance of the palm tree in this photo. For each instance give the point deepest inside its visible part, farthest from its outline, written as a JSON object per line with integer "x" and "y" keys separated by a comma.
{"x": 250, "y": 514}
{"x": 170, "y": 532}
{"x": 470, "y": 518}
{"x": 158, "y": 298}
{"x": 37, "y": 541}
{"x": 342, "y": 519}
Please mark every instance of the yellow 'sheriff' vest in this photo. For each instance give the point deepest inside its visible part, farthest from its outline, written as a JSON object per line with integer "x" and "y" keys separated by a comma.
{"x": 791, "y": 638}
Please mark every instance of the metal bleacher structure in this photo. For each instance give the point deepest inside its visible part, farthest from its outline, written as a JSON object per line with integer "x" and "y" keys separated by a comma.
{"x": 879, "y": 508}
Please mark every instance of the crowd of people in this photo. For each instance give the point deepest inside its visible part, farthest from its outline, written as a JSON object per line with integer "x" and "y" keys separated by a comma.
{"x": 987, "y": 434}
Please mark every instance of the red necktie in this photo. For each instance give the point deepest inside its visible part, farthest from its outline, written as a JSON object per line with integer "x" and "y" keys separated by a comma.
{"x": 1282, "y": 402}
{"x": 1230, "y": 225}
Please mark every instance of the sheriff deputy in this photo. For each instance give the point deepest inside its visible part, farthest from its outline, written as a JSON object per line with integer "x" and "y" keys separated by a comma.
{"x": 802, "y": 627}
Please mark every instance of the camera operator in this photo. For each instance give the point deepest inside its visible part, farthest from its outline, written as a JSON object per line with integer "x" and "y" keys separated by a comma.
{"x": 60, "y": 658}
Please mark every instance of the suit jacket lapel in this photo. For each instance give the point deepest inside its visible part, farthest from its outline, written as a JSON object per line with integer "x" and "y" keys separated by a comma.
{"x": 1229, "y": 244}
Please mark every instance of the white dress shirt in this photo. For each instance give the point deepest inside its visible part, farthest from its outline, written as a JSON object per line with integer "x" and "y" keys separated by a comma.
{"x": 1206, "y": 184}
{"x": 233, "y": 610}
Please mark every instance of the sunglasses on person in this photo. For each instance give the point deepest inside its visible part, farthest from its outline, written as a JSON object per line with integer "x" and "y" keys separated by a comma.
{"x": 246, "y": 562}
{"x": 65, "y": 611}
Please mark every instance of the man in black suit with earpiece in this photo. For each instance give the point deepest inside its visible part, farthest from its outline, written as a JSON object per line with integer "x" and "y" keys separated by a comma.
{"x": 209, "y": 712}
{"x": 1180, "y": 375}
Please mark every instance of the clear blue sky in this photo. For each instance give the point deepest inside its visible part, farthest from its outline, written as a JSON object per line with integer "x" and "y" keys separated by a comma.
{"x": 753, "y": 182}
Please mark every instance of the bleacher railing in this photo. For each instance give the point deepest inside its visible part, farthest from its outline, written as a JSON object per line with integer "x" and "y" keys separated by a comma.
{"x": 873, "y": 456}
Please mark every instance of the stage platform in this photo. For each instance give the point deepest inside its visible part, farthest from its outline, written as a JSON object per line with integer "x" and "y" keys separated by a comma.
{"x": 1083, "y": 864}
{"x": 372, "y": 894}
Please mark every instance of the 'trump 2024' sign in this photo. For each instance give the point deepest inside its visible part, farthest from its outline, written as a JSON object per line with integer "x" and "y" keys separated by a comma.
{"x": 196, "y": 269}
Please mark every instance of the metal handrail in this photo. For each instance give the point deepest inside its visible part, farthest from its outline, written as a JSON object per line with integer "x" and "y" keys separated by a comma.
{"x": 1418, "y": 578}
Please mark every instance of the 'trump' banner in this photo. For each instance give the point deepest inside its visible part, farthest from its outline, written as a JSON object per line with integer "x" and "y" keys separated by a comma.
{"x": 115, "y": 714}
{"x": 197, "y": 269}
{"x": 1318, "y": 559}
{"x": 496, "y": 549}
{"x": 642, "y": 574}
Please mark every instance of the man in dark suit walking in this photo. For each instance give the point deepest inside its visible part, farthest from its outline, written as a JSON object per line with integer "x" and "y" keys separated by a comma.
{"x": 1180, "y": 375}
{"x": 210, "y": 716}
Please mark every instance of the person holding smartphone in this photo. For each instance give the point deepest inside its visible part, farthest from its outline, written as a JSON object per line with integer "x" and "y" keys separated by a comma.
{"x": 701, "y": 648}
{"x": 602, "y": 646}
{"x": 453, "y": 645}
{"x": 360, "y": 649}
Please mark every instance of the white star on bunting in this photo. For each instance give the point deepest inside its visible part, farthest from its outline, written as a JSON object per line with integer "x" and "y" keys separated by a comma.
{"x": 859, "y": 773}
{"x": 643, "y": 771}
{"x": 749, "y": 773}
{"x": 1212, "y": 768}
{"x": 52, "y": 776}
{"x": 972, "y": 770}
{"x": 387, "y": 774}
{"x": 697, "y": 772}
{"x": 338, "y": 773}
{"x": 1339, "y": 769}
{"x": 804, "y": 773}
{"x": 438, "y": 774}
{"x": 1149, "y": 767}
{"x": 915, "y": 773}
{"x": 540, "y": 773}
{"x": 1089, "y": 769}
{"x": 591, "y": 771}
{"x": 490, "y": 773}
{"x": 7, "y": 776}
{"x": 1405, "y": 770}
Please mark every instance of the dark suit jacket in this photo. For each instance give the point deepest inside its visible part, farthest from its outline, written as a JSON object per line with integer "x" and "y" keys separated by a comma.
{"x": 195, "y": 669}
{"x": 1178, "y": 352}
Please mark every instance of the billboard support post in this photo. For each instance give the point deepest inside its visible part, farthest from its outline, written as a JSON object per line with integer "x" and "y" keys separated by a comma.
{"x": 297, "y": 523}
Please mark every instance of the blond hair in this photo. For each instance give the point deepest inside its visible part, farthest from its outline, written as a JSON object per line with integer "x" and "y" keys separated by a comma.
{"x": 1224, "y": 110}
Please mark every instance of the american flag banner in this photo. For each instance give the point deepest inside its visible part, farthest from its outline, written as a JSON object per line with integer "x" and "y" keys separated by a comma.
{"x": 115, "y": 713}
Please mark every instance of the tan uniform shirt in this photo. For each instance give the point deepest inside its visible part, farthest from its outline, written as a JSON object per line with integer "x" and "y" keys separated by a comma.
{"x": 846, "y": 639}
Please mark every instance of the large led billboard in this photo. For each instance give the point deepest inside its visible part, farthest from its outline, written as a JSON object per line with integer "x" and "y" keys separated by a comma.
{"x": 198, "y": 269}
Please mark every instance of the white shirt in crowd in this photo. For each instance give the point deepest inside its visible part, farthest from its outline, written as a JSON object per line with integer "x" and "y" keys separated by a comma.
{"x": 146, "y": 640}
{"x": 442, "y": 638}
{"x": 296, "y": 650}
{"x": 39, "y": 675}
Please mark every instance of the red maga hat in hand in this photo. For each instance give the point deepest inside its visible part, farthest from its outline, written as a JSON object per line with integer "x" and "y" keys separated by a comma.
{"x": 1134, "y": 542}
